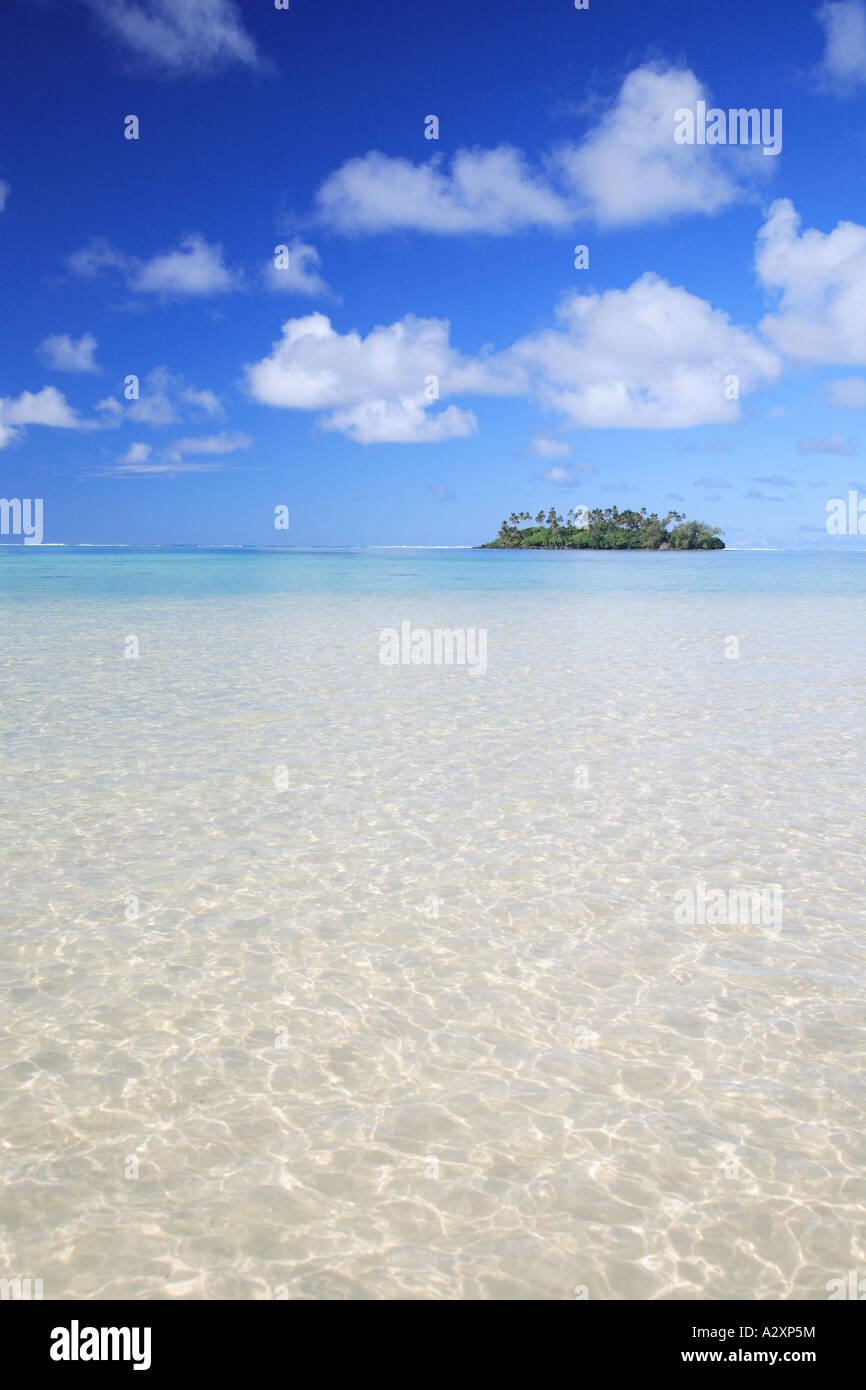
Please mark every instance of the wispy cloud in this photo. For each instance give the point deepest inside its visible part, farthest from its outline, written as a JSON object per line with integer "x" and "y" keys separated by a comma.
{"x": 297, "y": 271}
{"x": 567, "y": 477}
{"x": 849, "y": 393}
{"x": 194, "y": 268}
{"x": 543, "y": 447}
{"x": 140, "y": 459}
{"x": 66, "y": 354}
{"x": 164, "y": 399}
{"x": 176, "y": 38}
{"x": 830, "y": 444}
{"x": 843, "y": 64}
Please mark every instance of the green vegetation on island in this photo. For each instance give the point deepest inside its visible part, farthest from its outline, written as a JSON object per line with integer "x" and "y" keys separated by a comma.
{"x": 596, "y": 528}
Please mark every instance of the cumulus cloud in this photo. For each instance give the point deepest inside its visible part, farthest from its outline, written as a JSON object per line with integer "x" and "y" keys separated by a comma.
{"x": 629, "y": 170}
{"x": 711, "y": 482}
{"x": 404, "y": 421}
{"x": 194, "y": 268}
{"x": 300, "y": 273}
{"x": 66, "y": 354}
{"x": 819, "y": 280}
{"x": 652, "y": 356}
{"x": 380, "y": 389}
{"x": 626, "y": 170}
{"x": 46, "y": 407}
{"x": 492, "y": 191}
{"x": 173, "y": 38}
{"x": 844, "y": 59}
{"x": 830, "y": 444}
{"x": 4, "y": 194}
{"x": 649, "y": 357}
{"x": 849, "y": 392}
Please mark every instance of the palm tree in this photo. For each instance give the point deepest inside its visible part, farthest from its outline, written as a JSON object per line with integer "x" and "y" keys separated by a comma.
{"x": 554, "y": 522}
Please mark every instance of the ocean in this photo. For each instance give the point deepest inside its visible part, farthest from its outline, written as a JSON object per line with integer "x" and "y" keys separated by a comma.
{"x": 332, "y": 975}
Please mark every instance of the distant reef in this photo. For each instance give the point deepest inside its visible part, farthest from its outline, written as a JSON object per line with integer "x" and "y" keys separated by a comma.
{"x": 596, "y": 528}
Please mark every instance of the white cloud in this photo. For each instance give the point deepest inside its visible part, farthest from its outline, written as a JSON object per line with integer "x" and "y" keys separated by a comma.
{"x": 649, "y": 357}
{"x": 46, "y": 407}
{"x": 652, "y": 356}
{"x": 170, "y": 461}
{"x": 850, "y": 393}
{"x": 832, "y": 444}
{"x": 164, "y": 399}
{"x": 96, "y": 256}
{"x": 67, "y": 354}
{"x": 301, "y": 275}
{"x": 544, "y": 448}
{"x": 820, "y": 281}
{"x": 628, "y": 169}
{"x": 165, "y": 467}
{"x": 403, "y": 421}
{"x": 194, "y": 268}
{"x": 491, "y": 191}
{"x": 222, "y": 443}
{"x": 844, "y": 59}
{"x": 4, "y": 194}
{"x": 174, "y": 37}
{"x": 564, "y": 477}
{"x": 136, "y": 453}
{"x": 378, "y": 389}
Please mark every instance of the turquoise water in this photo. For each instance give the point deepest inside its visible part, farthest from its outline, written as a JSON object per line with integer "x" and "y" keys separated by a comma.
{"x": 108, "y": 572}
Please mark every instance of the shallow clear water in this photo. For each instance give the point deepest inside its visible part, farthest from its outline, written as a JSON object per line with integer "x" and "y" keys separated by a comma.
{"x": 409, "y": 1007}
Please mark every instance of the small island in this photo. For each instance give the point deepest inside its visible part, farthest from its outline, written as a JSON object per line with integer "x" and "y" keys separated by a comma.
{"x": 596, "y": 528}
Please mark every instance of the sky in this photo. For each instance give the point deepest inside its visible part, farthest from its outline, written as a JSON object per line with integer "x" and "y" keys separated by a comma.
{"x": 335, "y": 274}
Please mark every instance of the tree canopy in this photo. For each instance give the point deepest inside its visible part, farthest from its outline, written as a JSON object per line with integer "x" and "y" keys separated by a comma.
{"x": 605, "y": 528}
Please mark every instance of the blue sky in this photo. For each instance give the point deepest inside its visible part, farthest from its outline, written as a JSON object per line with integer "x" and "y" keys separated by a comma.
{"x": 430, "y": 359}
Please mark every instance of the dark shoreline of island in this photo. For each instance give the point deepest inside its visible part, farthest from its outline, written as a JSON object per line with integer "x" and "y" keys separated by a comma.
{"x": 597, "y": 528}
